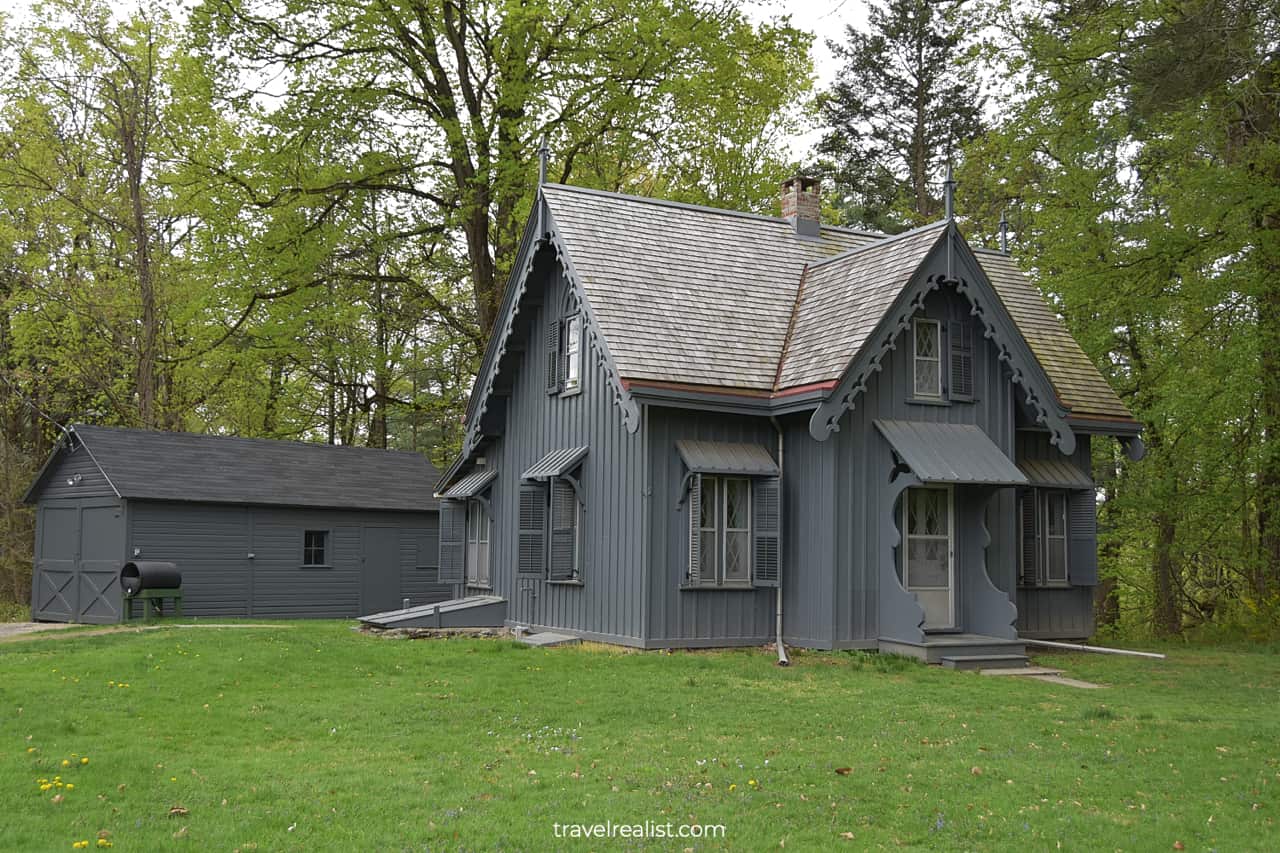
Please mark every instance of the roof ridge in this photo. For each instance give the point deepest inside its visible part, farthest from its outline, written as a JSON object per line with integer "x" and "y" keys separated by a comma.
{"x": 892, "y": 238}
{"x": 704, "y": 208}
{"x": 256, "y": 440}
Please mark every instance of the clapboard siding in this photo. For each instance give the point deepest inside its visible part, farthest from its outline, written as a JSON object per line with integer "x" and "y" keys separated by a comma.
{"x": 67, "y": 466}
{"x": 696, "y": 617}
{"x": 211, "y": 545}
{"x": 420, "y": 565}
{"x": 610, "y": 600}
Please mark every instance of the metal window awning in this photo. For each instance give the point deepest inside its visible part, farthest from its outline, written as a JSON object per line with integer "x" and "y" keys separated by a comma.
{"x": 471, "y": 485}
{"x": 557, "y": 463}
{"x": 1054, "y": 474}
{"x": 722, "y": 457}
{"x": 950, "y": 453}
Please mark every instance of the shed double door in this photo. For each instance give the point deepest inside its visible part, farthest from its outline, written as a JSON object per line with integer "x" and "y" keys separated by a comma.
{"x": 80, "y": 554}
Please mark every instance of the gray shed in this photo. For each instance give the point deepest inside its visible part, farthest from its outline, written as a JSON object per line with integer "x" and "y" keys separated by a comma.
{"x": 257, "y": 527}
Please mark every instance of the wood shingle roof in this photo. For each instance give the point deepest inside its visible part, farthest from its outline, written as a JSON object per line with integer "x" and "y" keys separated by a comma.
{"x": 704, "y": 297}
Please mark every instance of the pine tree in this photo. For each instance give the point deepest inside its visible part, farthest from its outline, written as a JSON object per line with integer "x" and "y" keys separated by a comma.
{"x": 903, "y": 105}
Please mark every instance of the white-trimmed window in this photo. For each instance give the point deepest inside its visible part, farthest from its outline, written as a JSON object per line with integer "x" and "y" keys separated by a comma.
{"x": 1044, "y": 537}
{"x": 724, "y": 527}
{"x": 926, "y": 353}
{"x": 477, "y": 548}
{"x": 573, "y": 354}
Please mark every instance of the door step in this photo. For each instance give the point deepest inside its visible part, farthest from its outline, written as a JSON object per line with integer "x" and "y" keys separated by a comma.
{"x": 547, "y": 639}
{"x": 987, "y": 662}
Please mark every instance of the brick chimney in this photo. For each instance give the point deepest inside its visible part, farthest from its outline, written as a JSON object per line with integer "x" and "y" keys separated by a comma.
{"x": 801, "y": 203}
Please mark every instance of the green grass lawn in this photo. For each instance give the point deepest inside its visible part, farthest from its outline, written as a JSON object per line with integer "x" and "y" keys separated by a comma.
{"x": 311, "y": 736}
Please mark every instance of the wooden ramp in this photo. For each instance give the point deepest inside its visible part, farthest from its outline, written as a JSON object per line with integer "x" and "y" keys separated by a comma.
{"x": 474, "y": 611}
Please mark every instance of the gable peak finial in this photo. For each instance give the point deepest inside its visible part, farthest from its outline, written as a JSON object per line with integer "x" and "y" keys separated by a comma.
{"x": 543, "y": 154}
{"x": 1004, "y": 231}
{"x": 949, "y": 193}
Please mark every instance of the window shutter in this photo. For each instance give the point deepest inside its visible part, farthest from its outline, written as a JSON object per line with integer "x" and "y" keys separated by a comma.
{"x": 1082, "y": 538}
{"x": 1028, "y": 538}
{"x": 695, "y": 530}
{"x": 533, "y": 529}
{"x": 453, "y": 535}
{"x": 767, "y": 551}
{"x": 961, "y": 359}
{"x": 554, "y": 373}
{"x": 564, "y": 531}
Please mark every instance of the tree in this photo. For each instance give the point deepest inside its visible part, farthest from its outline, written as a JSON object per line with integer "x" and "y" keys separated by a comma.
{"x": 1145, "y": 191}
{"x": 901, "y": 108}
{"x": 464, "y": 91}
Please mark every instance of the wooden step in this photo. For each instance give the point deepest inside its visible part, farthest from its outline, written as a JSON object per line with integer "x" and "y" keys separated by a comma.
{"x": 984, "y": 661}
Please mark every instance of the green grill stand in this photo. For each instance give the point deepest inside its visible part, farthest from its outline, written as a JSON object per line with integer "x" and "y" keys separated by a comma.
{"x": 153, "y": 603}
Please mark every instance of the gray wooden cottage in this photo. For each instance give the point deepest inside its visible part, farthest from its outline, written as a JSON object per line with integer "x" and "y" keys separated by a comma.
{"x": 258, "y": 528}
{"x": 692, "y": 425}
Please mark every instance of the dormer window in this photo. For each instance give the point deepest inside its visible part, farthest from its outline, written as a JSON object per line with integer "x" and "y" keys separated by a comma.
{"x": 564, "y": 352}
{"x": 927, "y": 358}
{"x": 573, "y": 354}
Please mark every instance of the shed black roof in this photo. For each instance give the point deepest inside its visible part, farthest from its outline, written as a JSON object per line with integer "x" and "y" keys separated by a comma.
{"x": 178, "y": 466}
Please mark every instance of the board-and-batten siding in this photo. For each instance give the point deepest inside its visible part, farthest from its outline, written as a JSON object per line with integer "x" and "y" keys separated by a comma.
{"x": 841, "y": 485}
{"x": 92, "y": 483}
{"x": 211, "y": 543}
{"x": 609, "y": 603}
{"x": 1064, "y": 613}
{"x": 696, "y": 617}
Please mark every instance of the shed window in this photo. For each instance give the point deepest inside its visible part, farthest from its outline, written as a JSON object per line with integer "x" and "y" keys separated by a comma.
{"x": 315, "y": 546}
{"x": 927, "y": 357}
{"x": 564, "y": 353}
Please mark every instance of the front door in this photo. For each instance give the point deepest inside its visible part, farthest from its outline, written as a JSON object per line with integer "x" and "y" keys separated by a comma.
{"x": 928, "y": 568}
{"x": 380, "y": 578}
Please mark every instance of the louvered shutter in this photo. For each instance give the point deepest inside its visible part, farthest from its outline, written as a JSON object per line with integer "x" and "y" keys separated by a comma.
{"x": 555, "y": 376}
{"x": 767, "y": 551}
{"x": 533, "y": 529}
{"x": 453, "y": 535}
{"x": 961, "y": 359}
{"x": 564, "y": 531}
{"x": 695, "y": 531}
{"x": 1082, "y": 538}
{"x": 1028, "y": 538}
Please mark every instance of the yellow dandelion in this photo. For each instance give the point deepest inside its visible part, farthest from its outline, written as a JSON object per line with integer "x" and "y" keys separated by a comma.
{"x": 69, "y": 785}
{"x": 31, "y": 749}
{"x": 57, "y": 784}
{"x": 84, "y": 760}
{"x": 46, "y": 786}
{"x": 733, "y": 787}
{"x": 66, "y": 762}
{"x": 173, "y": 778}
{"x": 752, "y": 783}
{"x": 111, "y": 684}
{"x": 57, "y": 778}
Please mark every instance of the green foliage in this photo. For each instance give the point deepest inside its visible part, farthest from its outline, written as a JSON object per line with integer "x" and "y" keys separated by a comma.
{"x": 1144, "y": 194}
{"x": 318, "y": 737}
{"x": 899, "y": 112}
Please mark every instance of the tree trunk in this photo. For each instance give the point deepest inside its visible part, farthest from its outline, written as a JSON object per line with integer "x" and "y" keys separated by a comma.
{"x": 1166, "y": 616}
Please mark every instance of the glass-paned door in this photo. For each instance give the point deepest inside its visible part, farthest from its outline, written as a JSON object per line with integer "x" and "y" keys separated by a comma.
{"x": 928, "y": 568}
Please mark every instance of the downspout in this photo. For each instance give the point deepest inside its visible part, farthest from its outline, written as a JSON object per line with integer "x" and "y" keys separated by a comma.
{"x": 783, "y": 660}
